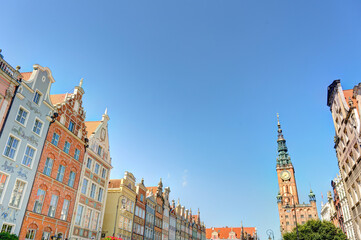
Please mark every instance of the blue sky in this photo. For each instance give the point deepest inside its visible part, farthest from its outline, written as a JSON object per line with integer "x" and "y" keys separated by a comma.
{"x": 193, "y": 87}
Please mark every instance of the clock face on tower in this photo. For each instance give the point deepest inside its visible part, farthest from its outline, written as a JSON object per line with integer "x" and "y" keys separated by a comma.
{"x": 285, "y": 175}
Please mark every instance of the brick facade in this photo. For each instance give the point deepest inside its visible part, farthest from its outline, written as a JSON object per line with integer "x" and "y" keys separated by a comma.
{"x": 56, "y": 180}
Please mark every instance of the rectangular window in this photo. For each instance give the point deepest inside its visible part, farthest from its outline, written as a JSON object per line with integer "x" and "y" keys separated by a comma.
{"x": 64, "y": 210}
{"x": 89, "y": 163}
{"x": 17, "y": 194}
{"x": 28, "y": 156}
{"x": 55, "y": 139}
{"x": 100, "y": 194}
{"x": 87, "y": 218}
{"x": 79, "y": 215}
{"x": 21, "y": 117}
{"x": 11, "y": 147}
{"x": 84, "y": 186}
{"x": 39, "y": 201}
{"x": 104, "y": 173}
{"x": 37, "y": 97}
{"x": 71, "y": 179}
{"x": 66, "y": 147}
{"x": 95, "y": 219}
{"x": 77, "y": 154}
{"x": 92, "y": 190}
{"x": 60, "y": 174}
{"x": 30, "y": 234}
{"x": 3, "y": 182}
{"x": 71, "y": 126}
{"x": 96, "y": 168}
{"x": 53, "y": 205}
{"x": 7, "y": 228}
{"x": 48, "y": 166}
{"x": 100, "y": 150}
{"x": 37, "y": 127}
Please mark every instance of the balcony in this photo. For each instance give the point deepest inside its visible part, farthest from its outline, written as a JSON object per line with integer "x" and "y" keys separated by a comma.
{"x": 8, "y": 69}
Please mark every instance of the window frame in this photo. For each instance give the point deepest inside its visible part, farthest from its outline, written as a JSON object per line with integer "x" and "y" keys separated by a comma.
{"x": 56, "y": 205}
{"x": 9, "y": 224}
{"x": 67, "y": 210}
{"x": 5, "y": 186}
{"x": 42, "y": 202}
{"x": 16, "y": 150}
{"x": 40, "y": 97}
{"x": 26, "y": 118}
{"x": 46, "y": 165}
{"x": 34, "y": 156}
{"x": 57, "y": 141}
{"x": 81, "y": 215}
{"x": 59, "y": 174}
{"x": 65, "y": 147}
{"x": 34, "y": 234}
{"x": 70, "y": 178}
{"x": 72, "y": 125}
{"x": 77, "y": 154}
{"x": 41, "y": 129}
{"x": 22, "y": 195}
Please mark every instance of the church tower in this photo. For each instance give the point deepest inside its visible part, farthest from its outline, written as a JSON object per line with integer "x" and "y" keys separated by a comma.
{"x": 291, "y": 212}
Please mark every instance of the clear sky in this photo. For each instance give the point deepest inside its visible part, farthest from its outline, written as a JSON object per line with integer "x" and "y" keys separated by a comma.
{"x": 193, "y": 87}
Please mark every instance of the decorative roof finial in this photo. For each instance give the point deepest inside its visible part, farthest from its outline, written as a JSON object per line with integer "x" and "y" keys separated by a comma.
{"x": 81, "y": 82}
{"x": 280, "y": 135}
{"x": 106, "y": 111}
{"x": 142, "y": 181}
{"x": 18, "y": 68}
{"x": 350, "y": 102}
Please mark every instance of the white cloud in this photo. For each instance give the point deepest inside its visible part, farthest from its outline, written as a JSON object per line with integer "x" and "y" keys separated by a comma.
{"x": 185, "y": 178}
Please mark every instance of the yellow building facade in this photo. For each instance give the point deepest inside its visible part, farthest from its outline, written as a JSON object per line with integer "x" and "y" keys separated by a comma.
{"x": 119, "y": 208}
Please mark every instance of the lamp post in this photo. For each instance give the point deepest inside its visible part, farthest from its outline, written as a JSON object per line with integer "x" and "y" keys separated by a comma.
{"x": 116, "y": 213}
{"x": 294, "y": 209}
{"x": 270, "y": 234}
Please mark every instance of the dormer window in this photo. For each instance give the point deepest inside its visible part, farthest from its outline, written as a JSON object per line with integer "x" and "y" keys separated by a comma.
{"x": 71, "y": 126}
{"x": 100, "y": 150}
{"x": 37, "y": 97}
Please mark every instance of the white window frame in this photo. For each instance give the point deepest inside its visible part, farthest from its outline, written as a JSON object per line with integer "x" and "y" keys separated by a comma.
{"x": 30, "y": 229}
{"x": 27, "y": 116}
{"x": 67, "y": 210}
{"x": 11, "y": 224}
{"x": 97, "y": 173}
{"x": 17, "y": 148}
{"x": 40, "y": 97}
{"x": 5, "y": 187}
{"x": 52, "y": 137}
{"x": 81, "y": 217}
{"x": 22, "y": 196}
{"x": 41, "y": 129}
{"x": 66, "y": 148}
{"x": 32, "y": 161}
{"x": 56, "y": 206}
{"x": 52, "y": 165}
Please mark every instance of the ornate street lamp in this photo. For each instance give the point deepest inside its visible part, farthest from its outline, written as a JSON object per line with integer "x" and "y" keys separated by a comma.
{"x": 270, "y": 234}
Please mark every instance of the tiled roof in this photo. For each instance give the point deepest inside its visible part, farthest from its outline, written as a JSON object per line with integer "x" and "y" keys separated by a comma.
{"x": 153, "y": 190}
{"x": 223, "y": 233}
{"x": 26, "y": 75}
{"x": 114, "y": 183}
{"x": 57, "y": 98}
{"x": 91, "y": 126}
{"x": 349, "y": 94}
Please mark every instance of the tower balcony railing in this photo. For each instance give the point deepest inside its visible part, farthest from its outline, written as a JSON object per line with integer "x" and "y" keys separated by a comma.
{"x": 8, "y": 69}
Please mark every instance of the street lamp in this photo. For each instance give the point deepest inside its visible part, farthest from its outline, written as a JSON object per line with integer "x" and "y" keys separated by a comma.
{"x": 270, "y": 234}
{"x": 294, "y": 209}
{"x": 116, "y": 213}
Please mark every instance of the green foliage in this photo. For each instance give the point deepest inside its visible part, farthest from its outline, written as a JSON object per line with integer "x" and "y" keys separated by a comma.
{"x": 316, "y": 230}
{"x": 8, "y": 236}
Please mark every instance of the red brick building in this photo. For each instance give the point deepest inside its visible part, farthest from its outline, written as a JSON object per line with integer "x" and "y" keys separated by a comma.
{"x": 51, "y": 202}
{"x": 242, "y": 233}
{"x": 158, "y": 192}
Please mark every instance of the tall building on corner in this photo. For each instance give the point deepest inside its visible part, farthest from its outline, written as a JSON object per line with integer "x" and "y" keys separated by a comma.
{"x": 287, "y": 198}
{"x": 345, "y": 106}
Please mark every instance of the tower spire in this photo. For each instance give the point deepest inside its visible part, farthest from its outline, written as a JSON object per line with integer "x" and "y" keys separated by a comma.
{"x": 283, "y": 157}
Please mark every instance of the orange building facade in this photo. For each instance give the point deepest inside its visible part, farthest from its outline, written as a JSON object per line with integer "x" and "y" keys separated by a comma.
{"x": 51, "y": 202}
{"x": 291, "y": 212}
